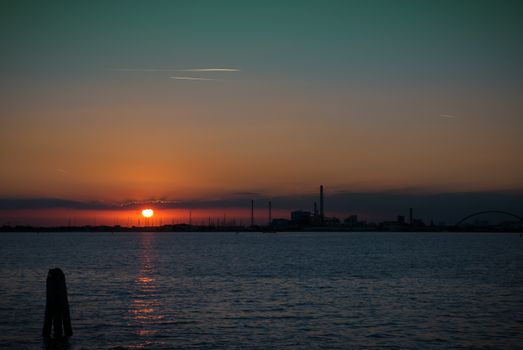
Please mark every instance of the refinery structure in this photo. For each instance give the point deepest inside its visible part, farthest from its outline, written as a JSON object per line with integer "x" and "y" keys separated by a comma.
{"x": 298, "y": 220}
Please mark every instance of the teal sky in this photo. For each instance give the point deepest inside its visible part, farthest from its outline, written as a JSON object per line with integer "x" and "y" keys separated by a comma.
{"x": 364, "y": 41}
{"x": 363, "y": 95}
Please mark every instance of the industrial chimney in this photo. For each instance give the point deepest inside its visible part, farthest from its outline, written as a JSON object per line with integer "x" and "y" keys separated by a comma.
{"x": 270, "y": 213}
{"x": 252, "y": 212}
{"x": 322, "y": 213}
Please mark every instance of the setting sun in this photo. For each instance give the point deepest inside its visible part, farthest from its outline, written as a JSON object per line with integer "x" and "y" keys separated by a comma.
{"x": 147, "y": 213}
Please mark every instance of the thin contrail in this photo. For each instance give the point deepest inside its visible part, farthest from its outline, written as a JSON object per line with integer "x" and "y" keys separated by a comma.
{"x": 447, "y": 116}
{"x": 144, "y": 70}
{"x": 192, "y": 78}
{"x": 209, "y": 70}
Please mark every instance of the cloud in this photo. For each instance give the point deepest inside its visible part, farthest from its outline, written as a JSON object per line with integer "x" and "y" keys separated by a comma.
{"x": 49, "y": 203}
{"x": 164, "y": 203}
{"x": 209, "y": 70}
{"x": 373, "y": 206}
{"x": 193, "y": 78}
{"x": 448, "y": 116}
{"x": 246, "y": 194}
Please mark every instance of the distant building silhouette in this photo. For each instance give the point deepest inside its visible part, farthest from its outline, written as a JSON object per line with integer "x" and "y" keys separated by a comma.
{"x": 352, "y": 221}
{"x": 301, "y": 217}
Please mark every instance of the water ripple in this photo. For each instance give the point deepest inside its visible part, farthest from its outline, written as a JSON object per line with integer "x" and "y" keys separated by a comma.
{"x": 256, "y": 291}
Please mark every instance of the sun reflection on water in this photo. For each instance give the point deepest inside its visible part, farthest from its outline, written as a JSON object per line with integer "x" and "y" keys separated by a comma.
{"x": 144, "y": 309}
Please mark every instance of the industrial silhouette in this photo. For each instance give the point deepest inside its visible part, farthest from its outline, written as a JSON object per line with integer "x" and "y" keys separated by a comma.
{"x": 315, "y": 220}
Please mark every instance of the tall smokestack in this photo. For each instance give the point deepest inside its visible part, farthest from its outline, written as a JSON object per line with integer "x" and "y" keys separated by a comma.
{"x": 252, "y": 212}
{"x": 322, "y": 213}
{"x": 270, "y": 212}
{"x": 410, "y": 216}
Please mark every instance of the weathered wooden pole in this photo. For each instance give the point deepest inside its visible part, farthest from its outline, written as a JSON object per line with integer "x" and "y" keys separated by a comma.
{"x": 57, "y": 306}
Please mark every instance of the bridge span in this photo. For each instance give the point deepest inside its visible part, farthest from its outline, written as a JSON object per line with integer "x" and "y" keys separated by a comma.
{"x": 490, "y": 212}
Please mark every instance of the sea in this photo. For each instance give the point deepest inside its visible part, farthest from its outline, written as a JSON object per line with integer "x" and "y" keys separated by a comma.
{"x": 250, "y": 290}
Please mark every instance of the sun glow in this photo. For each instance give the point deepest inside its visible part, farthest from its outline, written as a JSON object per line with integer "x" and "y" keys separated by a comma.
{"x": 147, "y": 213}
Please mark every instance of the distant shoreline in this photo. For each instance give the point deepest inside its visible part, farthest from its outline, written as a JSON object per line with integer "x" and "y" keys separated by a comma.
{"x": 261, "y": 229}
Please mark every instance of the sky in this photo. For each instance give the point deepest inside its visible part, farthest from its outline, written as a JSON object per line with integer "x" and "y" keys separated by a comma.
{"x": 207, "y": 104}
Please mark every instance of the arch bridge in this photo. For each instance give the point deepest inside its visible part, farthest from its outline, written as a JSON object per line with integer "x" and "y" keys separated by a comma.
{"x": 490, "y": 212}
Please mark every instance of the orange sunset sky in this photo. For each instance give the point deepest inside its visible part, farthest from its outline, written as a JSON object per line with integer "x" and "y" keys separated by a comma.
{"x": 191, "y": 103}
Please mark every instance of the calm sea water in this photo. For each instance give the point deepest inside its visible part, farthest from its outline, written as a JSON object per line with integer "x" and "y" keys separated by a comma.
{"x": 255, "y": 290}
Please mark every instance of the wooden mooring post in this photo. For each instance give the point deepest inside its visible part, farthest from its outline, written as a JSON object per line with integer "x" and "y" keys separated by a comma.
{"x": 57, "y": 306}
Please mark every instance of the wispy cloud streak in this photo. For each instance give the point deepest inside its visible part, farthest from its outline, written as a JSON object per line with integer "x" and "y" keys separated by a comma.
{"x": 448, "y": 116}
